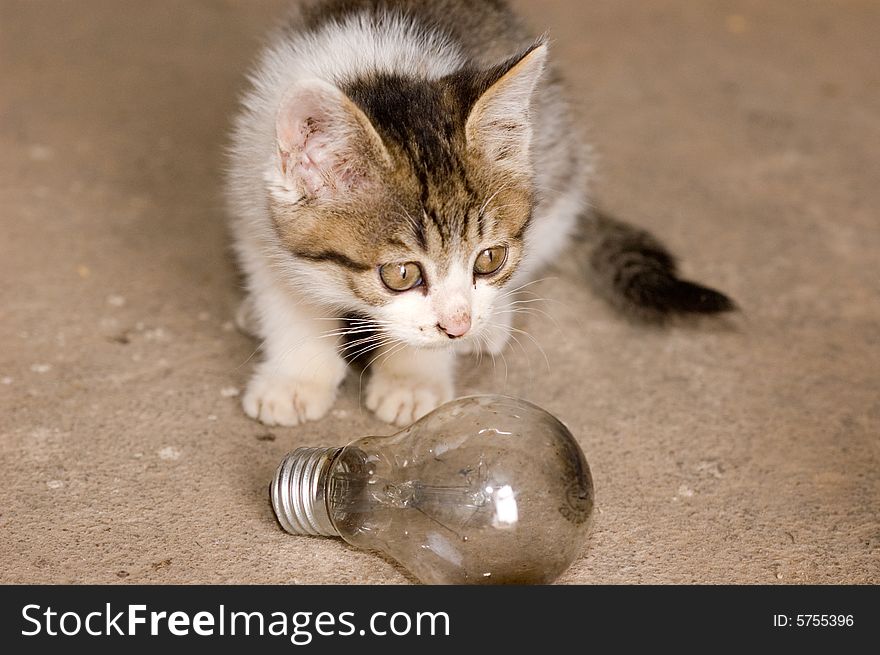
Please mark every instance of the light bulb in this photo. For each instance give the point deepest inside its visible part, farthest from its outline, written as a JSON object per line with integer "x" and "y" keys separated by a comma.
{"x": 483, "y": 490}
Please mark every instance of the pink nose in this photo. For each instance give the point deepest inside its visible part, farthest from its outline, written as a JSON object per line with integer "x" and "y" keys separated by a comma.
{"x": 455, "y": 327}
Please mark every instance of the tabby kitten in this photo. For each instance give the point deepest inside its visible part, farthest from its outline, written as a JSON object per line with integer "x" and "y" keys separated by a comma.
{"x": 410, "y": 162}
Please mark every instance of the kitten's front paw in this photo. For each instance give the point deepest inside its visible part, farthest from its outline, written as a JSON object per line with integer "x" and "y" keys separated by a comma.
{"x": 403, "y": 400}
{"x": 286, "y": 400}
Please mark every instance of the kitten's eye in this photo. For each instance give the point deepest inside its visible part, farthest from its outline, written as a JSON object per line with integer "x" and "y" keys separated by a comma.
{"x": 401, "y": 277}
{"x": 490, "y": 260}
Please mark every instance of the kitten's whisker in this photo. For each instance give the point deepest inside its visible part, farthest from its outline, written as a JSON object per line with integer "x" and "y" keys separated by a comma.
{"x": 519, "y": 343}
{"x": 297, "y": 345}
{"x": 335, "y": 334}
{"x": 342, "y": 333}
{"x": 393, "y": 345}
{"x": 506, "y": 368}
{"x": 346, "y": 320}
{"x": 365, "y": 349}
{"x": 526, "y": 354}
{"x": 497, "y": 208}
{"x": 494, "y": 363}
{"x": 370, "y": 347}
{"x": 503, "y": 187}
{"x": 388, "y": 354}
{"x": 251, "y": 356}
{"x": 527, "y": 302}
{"x": 416, "y": 228}
{"x": 360, "y": 343}
{"x": 511, "y": 292}
{"x": 535, "y": 341}
{"x": 357, "y": 322}
{"x": 538, "y": 298}
{"x": 533, "y": 311}
{"x": 384, "y": 356}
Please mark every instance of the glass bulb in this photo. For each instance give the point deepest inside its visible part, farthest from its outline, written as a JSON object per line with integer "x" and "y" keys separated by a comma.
{"x": 483, "y": 490}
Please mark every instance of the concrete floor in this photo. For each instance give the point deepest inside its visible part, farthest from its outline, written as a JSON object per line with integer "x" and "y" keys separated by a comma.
{"x": 745, "y": 133}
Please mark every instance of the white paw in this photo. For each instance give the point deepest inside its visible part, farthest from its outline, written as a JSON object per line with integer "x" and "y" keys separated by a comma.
{"x": 286, "y": 400}
{"x": 403, "y": 400}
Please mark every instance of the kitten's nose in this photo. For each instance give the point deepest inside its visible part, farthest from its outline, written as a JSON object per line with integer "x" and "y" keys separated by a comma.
{"x": 455, "y": 327}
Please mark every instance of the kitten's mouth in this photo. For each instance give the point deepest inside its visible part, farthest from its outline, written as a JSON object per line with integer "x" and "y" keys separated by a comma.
{"x": 442, "y": 342}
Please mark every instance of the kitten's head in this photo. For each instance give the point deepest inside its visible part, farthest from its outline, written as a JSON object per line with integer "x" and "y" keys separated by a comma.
{"x": 407, "y": 200}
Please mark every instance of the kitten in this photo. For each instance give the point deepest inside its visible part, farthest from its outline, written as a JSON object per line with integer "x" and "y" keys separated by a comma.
{"x": 410, "y": 162}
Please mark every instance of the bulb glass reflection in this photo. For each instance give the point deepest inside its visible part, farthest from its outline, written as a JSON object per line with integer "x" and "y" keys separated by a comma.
{"x": 483, "y": 490}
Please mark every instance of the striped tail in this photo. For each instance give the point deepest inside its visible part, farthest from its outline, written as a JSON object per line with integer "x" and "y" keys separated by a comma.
{"x": 633, "y": 271}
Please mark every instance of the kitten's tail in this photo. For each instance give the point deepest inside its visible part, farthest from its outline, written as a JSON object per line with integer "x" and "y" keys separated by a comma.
{"x": 633, "y": 271}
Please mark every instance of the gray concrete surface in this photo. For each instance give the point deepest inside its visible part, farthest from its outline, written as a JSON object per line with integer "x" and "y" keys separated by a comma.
{"x": 745, "y": 133}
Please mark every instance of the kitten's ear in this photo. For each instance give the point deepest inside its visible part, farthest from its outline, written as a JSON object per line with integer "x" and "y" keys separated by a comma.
{"x": 499, "y": 125}
{"x": 326, "y": 145}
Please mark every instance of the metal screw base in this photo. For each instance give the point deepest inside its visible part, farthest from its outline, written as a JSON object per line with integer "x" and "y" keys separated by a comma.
{"x": 298, "y": 492}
